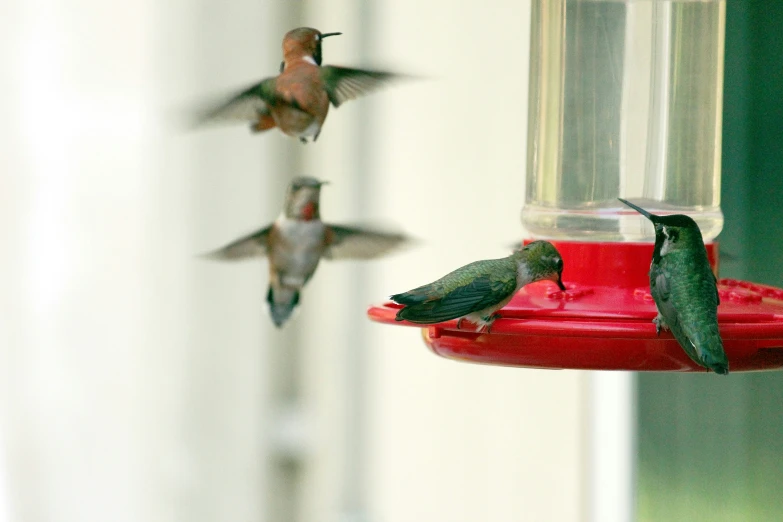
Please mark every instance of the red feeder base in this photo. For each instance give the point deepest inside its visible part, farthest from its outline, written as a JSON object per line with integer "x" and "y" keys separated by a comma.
{"x": 604, "y": 319}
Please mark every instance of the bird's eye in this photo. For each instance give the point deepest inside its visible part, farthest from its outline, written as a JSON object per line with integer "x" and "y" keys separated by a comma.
{"x": 672, "y": 234}
{"x": 559, "y": 264}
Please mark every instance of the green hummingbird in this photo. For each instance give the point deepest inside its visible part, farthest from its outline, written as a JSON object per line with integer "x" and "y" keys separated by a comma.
{"x": 685, "y": 289}
{"x": 479, "y": 289}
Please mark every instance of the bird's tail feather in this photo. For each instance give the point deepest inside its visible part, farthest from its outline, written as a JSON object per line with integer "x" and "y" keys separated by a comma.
{"x": 706, "y": 347}
{"x": 415, "y": 296}
{"x": 716, "y": 360}
{"x": 282, "y": 301}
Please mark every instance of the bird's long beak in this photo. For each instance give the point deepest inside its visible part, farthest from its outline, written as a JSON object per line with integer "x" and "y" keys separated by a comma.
{"x": 322, "y": 183}
{"x": 560, "y": 283}
{"x": 324, "y": 35}
{"x": 640, "y": 210}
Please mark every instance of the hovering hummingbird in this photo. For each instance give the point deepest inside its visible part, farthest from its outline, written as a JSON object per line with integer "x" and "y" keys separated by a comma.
{"x": 479, "y": 289}
{"x": 685, "y": 289}
{"x": 297, "y": 100}
{"x": 297, "y": 241}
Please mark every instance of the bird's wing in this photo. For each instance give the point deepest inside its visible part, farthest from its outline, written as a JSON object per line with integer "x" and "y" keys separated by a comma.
{"x": 343, "y": 83}
{"x": 659, "y": 283}
{"x": 359, "y": 243}
{"x": 480, "y": 293}
{"x": 246, "y": 105}
{"x": 660, "y": 288}
{"x": 253, "y": 245}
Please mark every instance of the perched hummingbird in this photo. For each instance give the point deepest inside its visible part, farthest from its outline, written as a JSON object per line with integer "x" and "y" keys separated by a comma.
{"x": 297, "y": 100}
{"x": 479, "y": 289}
{"x": 297, "y": 241}
{"x": 685, "y": 289}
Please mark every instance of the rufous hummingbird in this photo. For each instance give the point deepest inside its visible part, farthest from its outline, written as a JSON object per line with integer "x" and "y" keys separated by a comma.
{"x": 685, "y": 289}
{"x": 297, "y": 100}
{"x": 478, "y": 290}
{"x": 296, "y": 242}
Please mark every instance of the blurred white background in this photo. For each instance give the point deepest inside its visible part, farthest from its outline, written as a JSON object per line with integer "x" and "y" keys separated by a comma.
{"x": 141, "y": 383}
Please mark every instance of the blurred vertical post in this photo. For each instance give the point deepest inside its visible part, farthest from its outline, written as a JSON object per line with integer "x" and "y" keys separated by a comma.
{"x": 334, "y": 329}
{"x": 611, "y": 479}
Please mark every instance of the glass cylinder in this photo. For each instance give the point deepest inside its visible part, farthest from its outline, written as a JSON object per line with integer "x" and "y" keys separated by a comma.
{"x": 625, "y": 101}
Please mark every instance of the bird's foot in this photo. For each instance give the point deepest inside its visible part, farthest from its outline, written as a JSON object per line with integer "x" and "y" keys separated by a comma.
{"x": 486, "y": 322}
{"x": 303, "y": 140}
{"x": 659, "y": 324}
{"x": 459, "y": 322}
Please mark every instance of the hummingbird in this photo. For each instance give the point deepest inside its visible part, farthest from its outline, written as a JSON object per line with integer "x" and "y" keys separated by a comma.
{"x": 297, "y": 100}
{"x": 296, "y": 242}
{"x": 685, "y": 289}
{"x": 479, "y": 289}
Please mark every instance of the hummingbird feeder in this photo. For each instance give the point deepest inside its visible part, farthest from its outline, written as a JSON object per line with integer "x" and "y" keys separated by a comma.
{"x": 625, "y": 101}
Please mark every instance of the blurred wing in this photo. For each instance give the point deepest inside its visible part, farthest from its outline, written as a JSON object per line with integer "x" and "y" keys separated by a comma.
{"x": 358, "y": 243}
{"x": 482, "y": 292}
{"x": 254, "y": 245}
{"x": 343, "y": 83}
{"x": 246, "y": 105}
